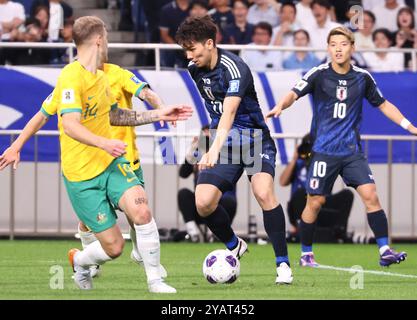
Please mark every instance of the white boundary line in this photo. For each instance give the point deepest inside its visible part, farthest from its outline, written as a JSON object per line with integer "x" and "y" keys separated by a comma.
{"x": 357, "y": 270}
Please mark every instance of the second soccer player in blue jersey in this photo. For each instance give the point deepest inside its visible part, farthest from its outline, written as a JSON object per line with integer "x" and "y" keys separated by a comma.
{"x": 226, "y": 85}
{"x": 338, "y": 89}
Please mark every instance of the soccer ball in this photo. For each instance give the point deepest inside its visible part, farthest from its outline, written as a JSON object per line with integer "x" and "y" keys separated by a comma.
{"x": 221, "y": 266}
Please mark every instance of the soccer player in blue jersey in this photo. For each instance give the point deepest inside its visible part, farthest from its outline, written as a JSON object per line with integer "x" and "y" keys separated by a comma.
{"x": 338, "y": 89}
{"x": 226, "y": 85}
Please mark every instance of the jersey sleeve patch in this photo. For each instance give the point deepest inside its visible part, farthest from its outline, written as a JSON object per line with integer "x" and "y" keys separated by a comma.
{"x": 135, "y": 79}
{"x": 68, "y": 96}
{"x": 234, "y": 86}
{"x": 301, "y": 85}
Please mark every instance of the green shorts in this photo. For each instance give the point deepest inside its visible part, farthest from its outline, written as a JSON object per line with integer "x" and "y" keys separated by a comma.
{"x": 94, "y": 200}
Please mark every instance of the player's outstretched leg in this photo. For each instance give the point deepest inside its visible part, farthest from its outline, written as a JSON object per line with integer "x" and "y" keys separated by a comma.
{"x": 135, "y": 204}
{"x": 87, "y": 237}
{"x": 378, "y": 223}
{"x": 135, "y": 255}
{"x": 307, "y": 228}
{"x": 108, "y": 247}
{"x": 207, "y": 202}
{"x": 274, "y": 223}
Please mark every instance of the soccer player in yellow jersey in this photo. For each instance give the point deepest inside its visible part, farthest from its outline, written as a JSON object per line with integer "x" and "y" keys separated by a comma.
{"x": 94, "y": 179}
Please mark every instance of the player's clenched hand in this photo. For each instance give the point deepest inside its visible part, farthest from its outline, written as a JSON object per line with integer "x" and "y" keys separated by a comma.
{"x": 275, "y": 112}
{"x": 208, "y": 160}
{"x": 9, "y": 156}
{"x": 175, "y": 113}
{"x": 115, "y": 148}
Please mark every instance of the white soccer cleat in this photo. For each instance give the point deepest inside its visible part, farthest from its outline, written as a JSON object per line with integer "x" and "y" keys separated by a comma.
{"x": 138, "y": 259}
{"x": 95, "y": 271}
{"x": 159, "y": 286}
{"x": 82, "y": 276}
{"x": 241, "y": 248}
{"x": 284, "y": 274}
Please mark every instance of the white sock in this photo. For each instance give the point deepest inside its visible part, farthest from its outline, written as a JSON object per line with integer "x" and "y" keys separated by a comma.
{"x": 92, "y": 255}
{"x": 192, "y": 228}
{"x": 306, "y": 253}
{"x": 149, "y": 248}
{"x": 383, "y": 249}
{"x": 132, "y": 233}
{"x": 86, "y": 237}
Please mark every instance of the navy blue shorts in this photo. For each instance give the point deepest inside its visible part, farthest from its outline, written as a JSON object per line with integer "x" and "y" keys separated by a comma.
{"x": 324, "y": 169}
{"x": 253, "y": 159}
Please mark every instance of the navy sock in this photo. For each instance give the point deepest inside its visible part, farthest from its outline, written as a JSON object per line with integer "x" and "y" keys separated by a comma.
{"x": 307, "y": 235}
{"x": 219, "y": 223}
{"x": 378, "y": 222}
{"x": 274, "y": 223}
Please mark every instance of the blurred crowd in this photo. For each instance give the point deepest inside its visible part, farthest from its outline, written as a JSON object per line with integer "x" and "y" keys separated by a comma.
{"x": 305, "y": 23}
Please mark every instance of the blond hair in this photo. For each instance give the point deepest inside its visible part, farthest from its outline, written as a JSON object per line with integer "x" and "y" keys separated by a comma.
{"x": 342, "y": 31}
{"x": 85, "y": 27}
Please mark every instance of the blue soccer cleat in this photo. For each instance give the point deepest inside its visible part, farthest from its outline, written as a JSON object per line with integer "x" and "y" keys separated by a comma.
{"x": 390, "y": 256}
{"x": 307, "y": 260}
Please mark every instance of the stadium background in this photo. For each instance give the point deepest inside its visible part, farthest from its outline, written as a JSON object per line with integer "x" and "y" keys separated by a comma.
{"x": 36, "y": 207}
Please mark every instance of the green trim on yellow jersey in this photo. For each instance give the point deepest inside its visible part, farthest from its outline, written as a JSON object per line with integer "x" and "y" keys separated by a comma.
{"x": 113, "y": 107}
{"x": 46, "y": 114}
{"x": 141, "y": 87}
{"x": 70, "y": 110}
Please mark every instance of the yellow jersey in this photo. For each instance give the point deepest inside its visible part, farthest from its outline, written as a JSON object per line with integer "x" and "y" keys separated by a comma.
{"x": 79, "y": 90}
{"x": 124, "y": 84}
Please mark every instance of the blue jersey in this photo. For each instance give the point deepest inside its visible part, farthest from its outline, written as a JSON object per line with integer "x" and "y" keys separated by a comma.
{"x": 337, "y": 107}
{"x": 230, "y": 77}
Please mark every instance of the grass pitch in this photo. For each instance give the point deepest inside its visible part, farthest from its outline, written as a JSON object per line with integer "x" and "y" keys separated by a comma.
{"x": 27, "y": 267}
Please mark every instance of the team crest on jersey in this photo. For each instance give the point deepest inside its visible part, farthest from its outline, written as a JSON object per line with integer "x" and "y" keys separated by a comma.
{"x": 341, "y": 93}
{"x": 209, "y": 94}
{"x": 314, "y": 183}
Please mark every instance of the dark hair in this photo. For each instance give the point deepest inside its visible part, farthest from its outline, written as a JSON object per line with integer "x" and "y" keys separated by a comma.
{"x": 385, "y": 32}
{"x": 410, "y": 12}
{"x": 40, "y": 8}
{"x": 322, "y": 3}
{"x": 371, "y": 14}
{"x": 264, "y": 26}
{"x": 244, "y": 2}
{"x": 200, "y": 3}
{"x": 288, "y": 4}
{"x": 302, "y": 31}
{"x": 196, "y": 30}
{"x": 33, "y": 21}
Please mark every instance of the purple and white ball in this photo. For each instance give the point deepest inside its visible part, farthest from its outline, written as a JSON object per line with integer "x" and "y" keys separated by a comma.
{"x": 221, "y": 266}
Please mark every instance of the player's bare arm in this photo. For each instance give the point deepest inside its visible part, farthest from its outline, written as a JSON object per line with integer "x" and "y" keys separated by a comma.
{"x": 12, "y": 154}
{"x": 230, "y": 106}
{"x": 125, "y": 117}
{"x": 286, "y": 102}
{"x": 395, "y": 115}
{"x": 151, "y": 97}
{"x": 74, "y": 129}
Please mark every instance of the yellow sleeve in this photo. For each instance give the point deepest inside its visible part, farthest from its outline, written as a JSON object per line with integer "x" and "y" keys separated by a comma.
{"x": 131, "y": 83}
{"x": 50, "y": 105}
{"x": 69, "y": 94}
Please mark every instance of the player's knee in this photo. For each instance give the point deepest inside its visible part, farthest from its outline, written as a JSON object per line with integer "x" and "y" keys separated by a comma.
{"x": 205, "y": 206}
{"x": 265, "y": 198}
{"x": 115, "y": 249}
{"x": 141, "y": 215}
{"x": 371, "y": 199}
{"x": 316, "y": 203}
